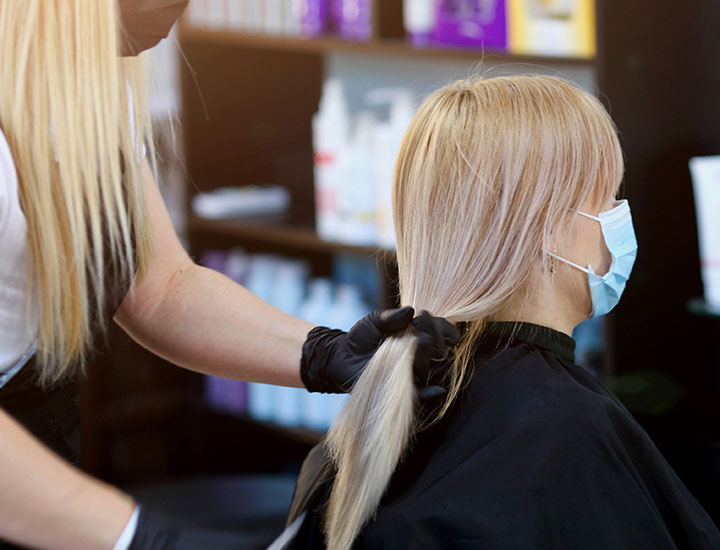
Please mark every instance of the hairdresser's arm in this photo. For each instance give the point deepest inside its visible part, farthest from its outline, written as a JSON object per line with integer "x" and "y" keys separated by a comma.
{"x": 46, "y": 503}
{"x": 201, "y": 320}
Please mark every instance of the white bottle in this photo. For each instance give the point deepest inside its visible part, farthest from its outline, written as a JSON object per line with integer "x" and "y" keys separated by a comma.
{"x": 261, "y": 276}
{"x": 218, "y": 14}
{"x": 254, "y": 10}
{"x": 261, "y": 401}
{"x": 236, "y": 15}
{"x": 388, "y": 139}
{"x": 419, "y": 17}
{"x": 273, "y": 17}
{"x": 316, "y": 307}
{"x": 357, "y": 195}
{"x": 291, "y": 17}
{"x": 348, "y": 308}
{"x": 289, "y": 287}
{"x": 330, "y": 137}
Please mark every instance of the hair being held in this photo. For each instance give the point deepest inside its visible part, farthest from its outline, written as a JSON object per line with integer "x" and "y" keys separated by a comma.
{"x": 487, "y": 173}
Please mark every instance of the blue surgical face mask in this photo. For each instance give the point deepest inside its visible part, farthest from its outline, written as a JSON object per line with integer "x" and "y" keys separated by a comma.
{"x": 617, "y": 229}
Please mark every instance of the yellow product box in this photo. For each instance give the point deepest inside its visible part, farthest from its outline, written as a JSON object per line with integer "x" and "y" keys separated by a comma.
{"x": 552, "y": 27}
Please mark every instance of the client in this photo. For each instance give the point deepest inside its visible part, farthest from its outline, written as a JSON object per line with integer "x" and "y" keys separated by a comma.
{"x": 508, "y": 225}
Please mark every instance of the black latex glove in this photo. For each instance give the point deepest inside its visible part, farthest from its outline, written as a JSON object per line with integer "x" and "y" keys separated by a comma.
{"x": 332, "y": 359}
{"x": 156, "y": 532}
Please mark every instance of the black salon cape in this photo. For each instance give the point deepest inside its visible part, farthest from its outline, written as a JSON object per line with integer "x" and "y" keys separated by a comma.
{"x": 536, "y": 453}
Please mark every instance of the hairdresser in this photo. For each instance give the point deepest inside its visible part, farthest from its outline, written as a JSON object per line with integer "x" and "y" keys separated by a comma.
{"x": 85, "y": 238}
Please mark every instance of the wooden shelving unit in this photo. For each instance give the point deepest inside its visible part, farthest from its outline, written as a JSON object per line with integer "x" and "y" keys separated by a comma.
{"x": 247, "y": 105}
{"x": 275, "y": 234}
{"x": 375, "y": 47}
{"x": 248, "y": 102}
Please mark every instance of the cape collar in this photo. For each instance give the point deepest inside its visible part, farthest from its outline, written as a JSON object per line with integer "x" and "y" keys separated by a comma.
{"x": 559, "y": 343}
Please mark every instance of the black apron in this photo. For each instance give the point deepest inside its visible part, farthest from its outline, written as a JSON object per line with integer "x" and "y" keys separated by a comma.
{"x": 52, "y": 413}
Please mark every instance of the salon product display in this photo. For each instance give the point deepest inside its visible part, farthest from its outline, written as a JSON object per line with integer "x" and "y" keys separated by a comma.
{"x": 287, "y": 285}
{"x": 350, "y": 19}
{"x": 706, "y": 186}
{"x": 354, "y": 161}
{"x": 523, "y": 27}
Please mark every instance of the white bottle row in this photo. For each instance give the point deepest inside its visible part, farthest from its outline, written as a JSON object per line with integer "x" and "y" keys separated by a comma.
{"x": 285, "y": 284}
{"x": 255, "y": 16}
{"x": 355, "y": 156}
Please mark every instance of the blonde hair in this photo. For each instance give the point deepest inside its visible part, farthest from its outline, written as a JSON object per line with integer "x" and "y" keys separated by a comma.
{"x": 75, "y": 115}
{"x": 488, "y": 170}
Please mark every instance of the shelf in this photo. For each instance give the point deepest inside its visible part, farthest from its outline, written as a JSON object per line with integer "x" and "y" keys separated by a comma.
{"x": 383, "y": 47}
{"x": 306, "y": 436}
{"x": 282, "y": 235}
{"x": 141, "y": 409}
{"x": 698, "y": 306}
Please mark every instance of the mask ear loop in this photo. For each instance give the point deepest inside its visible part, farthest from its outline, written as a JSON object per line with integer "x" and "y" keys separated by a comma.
{"x": 576, "y": 266}
{"x": 597, "y": 219}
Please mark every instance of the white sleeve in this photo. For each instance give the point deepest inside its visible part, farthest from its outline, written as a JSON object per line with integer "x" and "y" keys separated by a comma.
{"x": 8, "y": 179}
{"x": 126, "y": 537}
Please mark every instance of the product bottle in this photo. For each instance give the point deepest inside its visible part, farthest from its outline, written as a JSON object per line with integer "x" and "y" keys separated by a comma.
{"x": 356, "y": 19}
{"x": 273, "y": 16}
{"x": 289, "y": 285}
{"x": 330, "y": 136}
{"x": 419, "y": 17}
{"x": 348, "y": 308}
{"x": 356, "y": 194}
{"x": 389, "y": 136}
{"x": 314, "y": 17}
{"x": 262, "y": 398}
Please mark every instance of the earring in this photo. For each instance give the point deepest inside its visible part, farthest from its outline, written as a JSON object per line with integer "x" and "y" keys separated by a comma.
{"x": 552, "y": 263}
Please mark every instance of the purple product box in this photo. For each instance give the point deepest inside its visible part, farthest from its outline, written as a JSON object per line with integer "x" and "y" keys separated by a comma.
{"x": 315, "y": 17}
{"x": 215, "y": 259}
{"x": 356, "y": 19}
{"x": 336, "y": 10}
{"x": 471, "y": 23}
{"x": 230, "y": 396}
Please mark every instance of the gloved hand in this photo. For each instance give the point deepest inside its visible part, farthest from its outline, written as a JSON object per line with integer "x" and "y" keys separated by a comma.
{"x": 332, "y": 359}
{"x": 156, "y": 532}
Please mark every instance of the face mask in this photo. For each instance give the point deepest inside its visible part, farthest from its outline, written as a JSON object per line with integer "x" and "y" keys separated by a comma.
{"x": 147, "y": 22}
{"x": 619, "y": 235}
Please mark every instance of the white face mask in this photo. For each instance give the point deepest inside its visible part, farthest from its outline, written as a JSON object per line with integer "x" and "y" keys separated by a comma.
{"x": 619, "y": 235}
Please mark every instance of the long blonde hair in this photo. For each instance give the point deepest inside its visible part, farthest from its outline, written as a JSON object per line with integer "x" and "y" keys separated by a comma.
{"x": 75, "y": 115}
{"x": 487, "y": 172}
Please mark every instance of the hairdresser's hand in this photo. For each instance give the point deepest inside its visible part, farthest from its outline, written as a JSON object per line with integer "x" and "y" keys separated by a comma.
{"x": 156, "y": 532}
{"x": 332, "y": 360}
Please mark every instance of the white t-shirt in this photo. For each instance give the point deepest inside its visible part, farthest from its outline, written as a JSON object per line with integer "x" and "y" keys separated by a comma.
{"x": 18, "y": 326}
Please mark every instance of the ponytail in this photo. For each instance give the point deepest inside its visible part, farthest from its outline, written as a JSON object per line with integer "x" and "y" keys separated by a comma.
{"x": 369, "y": 437}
